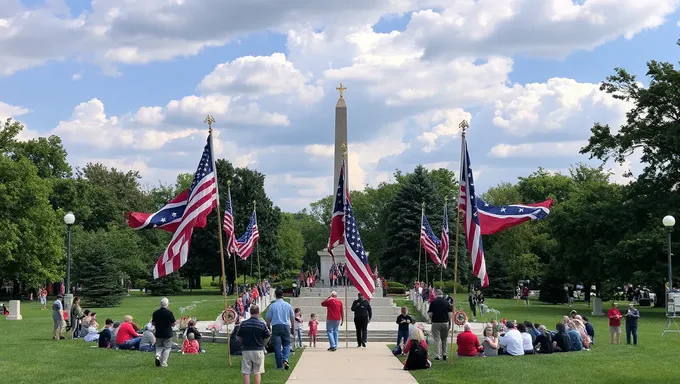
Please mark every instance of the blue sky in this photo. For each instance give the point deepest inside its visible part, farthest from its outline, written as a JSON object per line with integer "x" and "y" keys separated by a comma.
{"x": 412, "y": 70}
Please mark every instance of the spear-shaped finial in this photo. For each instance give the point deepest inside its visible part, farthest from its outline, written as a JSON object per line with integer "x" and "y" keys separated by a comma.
{"x": 210, "y": 121}
{"x": 422, "y": 206}
{"x": 254, "y": 204}
{"x": 464, "y": 126}
{"x": 229, "y": 183}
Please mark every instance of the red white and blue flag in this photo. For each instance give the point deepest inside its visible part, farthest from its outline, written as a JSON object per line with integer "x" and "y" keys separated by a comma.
{"x": 228, "y": 225}
{"x": 246, "y": 243}
{"x": 494, "y": 219}
{"x": 337, "y": 226}
{"x": 167, "y": 218}
{"x": 445, "y": 237}
{"x": 429, "y": 240}
{"x": 200, "y": 201}
{"x": 357, "y": 260}
{"x": 467, "y": 203}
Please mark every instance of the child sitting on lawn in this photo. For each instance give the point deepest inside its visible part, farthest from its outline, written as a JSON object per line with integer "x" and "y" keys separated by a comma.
{"x": 190, "y": 345}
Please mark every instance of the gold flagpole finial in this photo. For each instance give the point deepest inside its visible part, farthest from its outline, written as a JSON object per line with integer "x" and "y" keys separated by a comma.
{"x": 342, "y": 89}
{"x": 422, "y": 206}
{"x": 446, "y": 199}
{"x": 229, "y": 183}
{"x": 254, "y": 204}
{"x": 464, "y": 126}
{"x": 343, "y": 149}
{"x": 210, "y": 121}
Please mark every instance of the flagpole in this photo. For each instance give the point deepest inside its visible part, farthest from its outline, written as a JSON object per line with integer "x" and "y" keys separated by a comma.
{"x": 259, "y": 273}
{"x": 441, "y": 265}
{"x": 346, "y": 317}
{"x": 345, "y": 193}
{"x": 210, "y": 120}
{"x": 420, "y": 248}
{"x": 463, "y": 126}
{"x": 427, "y": 279}
{"x": 228, "y": 252}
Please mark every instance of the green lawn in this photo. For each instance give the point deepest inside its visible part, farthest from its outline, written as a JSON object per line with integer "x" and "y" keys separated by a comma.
{"x": 654, "y": 360}
{"x": 29, "y": 355}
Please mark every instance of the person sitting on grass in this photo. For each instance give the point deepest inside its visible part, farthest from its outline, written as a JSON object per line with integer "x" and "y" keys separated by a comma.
{"x": 191, "y": 328}
{"x": 561, "y": 338}
{"x": 190, "y": 346}
{"x": 148, "y": 342}
{"x": 581, "y": 328}
{"x": 4, "y": 310}
{"x": 590, "y": 331}
{"x": 106, "y": 335}
{"x": 468, "y": 343}
{"x": 92, "y": 333}
{"x": 511, "y": 341}
{"x": 575, "y": 339}
{"x": 531, "y": 330}
{"x": 114, "y": 334}
{"x": 544, "y": 341}
{"x": 85, "y": 323}
{"x": 527, "y": 341}
{"x": 127, "y": 337}
{"x": 490, "y": 343}
{"x": 416, "y": 349}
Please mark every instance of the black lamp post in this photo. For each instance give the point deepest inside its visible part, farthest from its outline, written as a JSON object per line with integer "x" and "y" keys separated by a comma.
{"x": 69, "y": 219}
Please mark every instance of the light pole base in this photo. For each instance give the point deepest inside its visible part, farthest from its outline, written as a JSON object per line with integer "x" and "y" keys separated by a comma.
{"x": 68, "y": 302}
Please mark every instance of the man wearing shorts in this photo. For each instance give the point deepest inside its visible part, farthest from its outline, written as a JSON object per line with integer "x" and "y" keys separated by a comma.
{"x": 253, "y": 335}
{"x": 614, "y": 323}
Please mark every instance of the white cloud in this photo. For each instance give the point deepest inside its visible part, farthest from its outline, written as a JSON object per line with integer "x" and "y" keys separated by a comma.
{"x": 13, "y": 111}
{"x": 262, "y": 75}
{"x": 445, "y": 127}
{"x": 76, "y": 76}
{"x": 557, "y": 149}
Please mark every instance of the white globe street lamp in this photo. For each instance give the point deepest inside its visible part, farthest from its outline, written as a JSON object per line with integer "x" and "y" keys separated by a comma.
{"x": 669, "y": 222}
{"x": 69, "y": 219}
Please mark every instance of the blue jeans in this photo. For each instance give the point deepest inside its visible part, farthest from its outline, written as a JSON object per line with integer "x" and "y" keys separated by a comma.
{"x": 281, "y": 341}
{"x": 148, "y": 348}
{"x": 631, "y": 329}
{"x": 131, "y": 344}
{"x": 402, "y": 335}
{"x": 298, "y": 335}
{"x": 332, "y": 327}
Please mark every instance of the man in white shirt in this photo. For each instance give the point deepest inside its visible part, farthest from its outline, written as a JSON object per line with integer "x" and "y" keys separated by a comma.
{"x": 511, "y": 342}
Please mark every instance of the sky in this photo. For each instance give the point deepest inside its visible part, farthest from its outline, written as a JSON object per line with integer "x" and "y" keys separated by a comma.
{"x": 129, "y": 83}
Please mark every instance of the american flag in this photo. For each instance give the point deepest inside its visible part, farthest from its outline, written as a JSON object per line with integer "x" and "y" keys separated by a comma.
{"x": 201, "y": 199}
{"x": 429, "y": 241}
{"x": 467, "y": 203}
{"x": 246, "y": 243}
{"x": 167, "y": 218}
{"x": 228, "y": 225}
{"x": 337, "y": 230}
{"x": 357, "y": 260}
{"x": 445, "y": 237}
{"x": 495, "y": 219}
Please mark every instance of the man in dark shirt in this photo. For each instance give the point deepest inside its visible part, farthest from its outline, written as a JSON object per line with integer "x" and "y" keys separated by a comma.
{"x": 253, "y": 335}
{"x": 106, "y": 334}
{"x": 404, "y": 320}
{"x": 362, "y": 316}
{"x": 163, "y": 320}
{"x": 439, "y": 312}
{"x": 544, "y": 341}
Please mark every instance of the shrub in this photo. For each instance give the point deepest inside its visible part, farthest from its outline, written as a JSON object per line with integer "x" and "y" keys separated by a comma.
{"x": 447, "y": 287}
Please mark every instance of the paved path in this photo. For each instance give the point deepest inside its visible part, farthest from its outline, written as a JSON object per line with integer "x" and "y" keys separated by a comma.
{"x": 375, "y": 364}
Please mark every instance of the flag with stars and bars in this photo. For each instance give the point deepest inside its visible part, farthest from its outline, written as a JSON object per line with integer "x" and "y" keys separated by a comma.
{"x": 429, "y": 240}
{"x": 494, "y": 219}
{"x": 357, "y": 260}
{"x": 200, "y": 201}
{"x": 246, "y": 243}
{"x": 228, "y": 225}
{"x": 337, "y": 230}
{"x": 167, "y": 218}
{"x": 467, "y": 203}
{"x": 445, "y": 237}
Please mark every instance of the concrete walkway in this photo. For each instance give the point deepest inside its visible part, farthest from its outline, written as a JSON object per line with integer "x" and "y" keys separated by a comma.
{"x": 375, "y": 364}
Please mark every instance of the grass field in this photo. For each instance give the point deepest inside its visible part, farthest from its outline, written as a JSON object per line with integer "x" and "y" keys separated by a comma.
{"x": 654, "y": 360}
{"x": 29, "y": 355}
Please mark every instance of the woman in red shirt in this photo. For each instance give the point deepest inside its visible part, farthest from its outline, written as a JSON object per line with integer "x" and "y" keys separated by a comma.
{"x": 416, "y": 348}
{"x": 127, "y": 337}
{"x": 614, "y": 323}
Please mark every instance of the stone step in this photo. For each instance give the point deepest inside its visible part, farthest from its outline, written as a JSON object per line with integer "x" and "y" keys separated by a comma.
{"x": 377, "y": 318}
{"x": 316, "y": 301}
{"x": 326, "y": 291}
{"x": 377, "y": 311}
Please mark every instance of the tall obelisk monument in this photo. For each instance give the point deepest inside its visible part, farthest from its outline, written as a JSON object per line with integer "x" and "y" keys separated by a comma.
{"x": 340, "y": 138}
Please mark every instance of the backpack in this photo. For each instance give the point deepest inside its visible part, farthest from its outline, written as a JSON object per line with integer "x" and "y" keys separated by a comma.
{"x": 417, "y": 356}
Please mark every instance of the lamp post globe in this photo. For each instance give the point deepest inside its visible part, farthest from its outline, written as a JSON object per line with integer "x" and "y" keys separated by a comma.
{"x": 668, "y": 221}
{"x": 69, "y": 218}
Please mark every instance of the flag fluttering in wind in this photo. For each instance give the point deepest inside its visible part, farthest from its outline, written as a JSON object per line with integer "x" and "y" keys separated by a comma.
{"x": 228, "y": 225}
{"x": 337, "y": 229}
{"x": 494, "y": 219}
{"x": 445, "y": 237}
{"x": 246, "y": 243}
{"x": 429, "y": 240}
{"x": 467, "y": 203}
{"x": 359, "y": 272}
{"x": 200, "y": 200}
{"x": 167, "y": 218}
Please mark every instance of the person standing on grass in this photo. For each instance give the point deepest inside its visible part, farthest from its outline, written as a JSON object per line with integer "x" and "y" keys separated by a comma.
{"x": 440, "y": 313}
{"x": 614, "y": 323}
{"x": 335, "y": 315}
{"x": 404, "y": 320}
{"x": 632, "y": 316}
{"x": 58, "y": 318}
{"x": 281, "y": 322}
{"x": 253, "y": 335}
{"x": 163, "y": 320}
{"x": 362, "y": 316}
{"x": 43, "y": 298}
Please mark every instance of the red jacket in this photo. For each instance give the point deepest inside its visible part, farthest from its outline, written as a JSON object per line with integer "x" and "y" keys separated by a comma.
{"x": 334, "y": 309}
{"x": 614, "y": 317}
{"x": 468, "y": 344}
{"x": 125, "y": 332}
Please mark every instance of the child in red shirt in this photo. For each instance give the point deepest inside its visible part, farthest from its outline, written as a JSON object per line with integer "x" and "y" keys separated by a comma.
{"x": 313, "y": 330}
{"x": 190, "y": 345}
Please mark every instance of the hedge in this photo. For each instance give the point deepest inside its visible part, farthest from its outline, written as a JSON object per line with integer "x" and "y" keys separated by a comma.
{"x": 448, "y": 287}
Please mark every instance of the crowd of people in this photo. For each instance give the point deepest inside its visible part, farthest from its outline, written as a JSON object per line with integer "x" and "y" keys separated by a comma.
{"x": 248, "y": 296}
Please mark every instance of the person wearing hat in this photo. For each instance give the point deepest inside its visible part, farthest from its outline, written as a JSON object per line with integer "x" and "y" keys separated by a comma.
{"x": 439, "y": 312}
{"x": 632, "y": 316}
{"x": 614, "y": 323}
{"x": 58, "y": 318}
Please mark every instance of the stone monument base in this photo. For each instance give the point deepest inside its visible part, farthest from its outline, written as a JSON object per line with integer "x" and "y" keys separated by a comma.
{"x": 326, "y": 261}
{"x": 14, "y": 310}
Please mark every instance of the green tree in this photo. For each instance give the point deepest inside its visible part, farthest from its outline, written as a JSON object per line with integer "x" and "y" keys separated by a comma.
{"x": 290, "y": 244}
{"x": 8, "y": 133}
{"x": 552, "y": 288}
{"x": 31, "y": 239}
{"x": 524, "y": 266}
{"x": 315, "y": 236}
{"x": 47, "y": 154}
